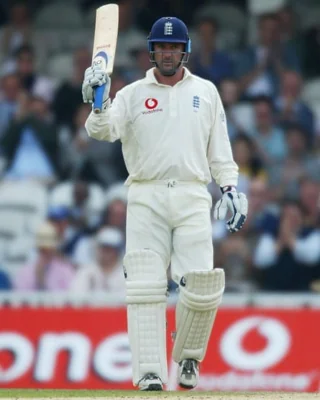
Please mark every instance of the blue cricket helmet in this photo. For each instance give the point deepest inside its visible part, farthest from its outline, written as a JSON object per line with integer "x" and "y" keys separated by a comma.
{"x": 169, "y": 30}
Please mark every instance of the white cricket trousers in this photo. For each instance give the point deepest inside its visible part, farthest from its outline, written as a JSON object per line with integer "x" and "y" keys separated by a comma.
{"x": 171, "y": 218}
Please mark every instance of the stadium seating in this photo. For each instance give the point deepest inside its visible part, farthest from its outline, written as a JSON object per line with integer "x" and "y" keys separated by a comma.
{"x": 59, "y": 14}
{"x": 23, "y": 205}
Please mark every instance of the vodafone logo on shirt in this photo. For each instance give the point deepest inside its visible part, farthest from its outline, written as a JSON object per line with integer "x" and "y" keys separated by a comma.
{"x": 151, "y": 104}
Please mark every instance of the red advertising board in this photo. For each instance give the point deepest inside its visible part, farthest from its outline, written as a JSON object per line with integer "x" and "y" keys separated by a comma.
{"x": 250, "y": 349}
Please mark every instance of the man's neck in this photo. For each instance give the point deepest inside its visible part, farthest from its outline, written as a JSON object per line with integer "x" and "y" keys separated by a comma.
{"x": 169, "y": 80}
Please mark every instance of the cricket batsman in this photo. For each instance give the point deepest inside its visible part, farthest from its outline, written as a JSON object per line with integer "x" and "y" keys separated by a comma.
{"x": 173, "y": 130}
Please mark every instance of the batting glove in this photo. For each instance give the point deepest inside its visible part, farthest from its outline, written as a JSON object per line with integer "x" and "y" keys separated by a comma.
{"x": 236, "y": 203}
{"x": 94, "y": 76}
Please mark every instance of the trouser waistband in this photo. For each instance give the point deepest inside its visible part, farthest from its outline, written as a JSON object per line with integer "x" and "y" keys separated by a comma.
{"x": 169, "y": 182}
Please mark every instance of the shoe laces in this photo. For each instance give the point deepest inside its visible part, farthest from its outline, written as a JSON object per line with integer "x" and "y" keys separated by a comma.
{"x": 189, "y": 366}
{"x": 150, "y": 376}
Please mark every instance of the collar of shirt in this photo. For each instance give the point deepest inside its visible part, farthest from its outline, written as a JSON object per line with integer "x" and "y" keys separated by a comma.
{"x": 150, "y": 77}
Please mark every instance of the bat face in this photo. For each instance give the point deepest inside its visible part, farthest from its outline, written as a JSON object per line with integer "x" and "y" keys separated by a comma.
{"x": 104, "y": 45}
{"x": 105, "y": 36}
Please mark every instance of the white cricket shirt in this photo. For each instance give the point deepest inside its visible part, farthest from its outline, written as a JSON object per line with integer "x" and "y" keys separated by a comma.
{"x": 167, "y": 132}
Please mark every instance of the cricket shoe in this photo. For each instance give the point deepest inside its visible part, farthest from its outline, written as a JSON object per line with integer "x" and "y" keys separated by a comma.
{"x": 188, "y": 373}
{"x": 150, "y": 382}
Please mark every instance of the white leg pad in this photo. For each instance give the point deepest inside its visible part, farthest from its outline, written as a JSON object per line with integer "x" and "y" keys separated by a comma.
{"x": 146, "y": 283}
{"x": 200, "y": 295}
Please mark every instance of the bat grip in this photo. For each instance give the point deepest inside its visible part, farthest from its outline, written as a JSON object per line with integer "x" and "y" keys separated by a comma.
{"x": 98, "y": 99}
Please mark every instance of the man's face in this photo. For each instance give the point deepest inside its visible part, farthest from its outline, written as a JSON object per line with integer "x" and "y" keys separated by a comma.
{"x": 269, "y": 32}
{"x": 207, "y": 33}
{"x": 107, "y": 256}
{"x": 310, "y": 196}
{"x": 258, "y": 195}
{"x": 263, "y": 113}
{"x": 25, "y": 63}
{"x": 168, "y": 55}
{"x": 117, "y": 212}
{"x": 296, "y": 142}
{"x": 229, "y": 92}
{"x": 291, "y": 85}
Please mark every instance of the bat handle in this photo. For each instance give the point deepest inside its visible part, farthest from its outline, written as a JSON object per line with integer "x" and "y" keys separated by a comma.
{"x": 98, "y": 99}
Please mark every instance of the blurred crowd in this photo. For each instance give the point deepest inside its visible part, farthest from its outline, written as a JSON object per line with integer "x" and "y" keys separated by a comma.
{"x": 62, "y": 198}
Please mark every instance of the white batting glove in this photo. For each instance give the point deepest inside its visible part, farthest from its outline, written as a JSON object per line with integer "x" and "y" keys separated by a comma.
{"x": 236, "y": 203}
{"x": 94, "y": 76}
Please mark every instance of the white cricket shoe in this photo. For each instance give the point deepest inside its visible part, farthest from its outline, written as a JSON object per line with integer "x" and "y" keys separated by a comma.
{"x": 188, "y": 374}
{"x": 150, "y": 382}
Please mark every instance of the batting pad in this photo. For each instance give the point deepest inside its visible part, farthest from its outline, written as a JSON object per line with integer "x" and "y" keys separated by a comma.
{"x": 200, "y": 295}
{"x": 146, "y": 283}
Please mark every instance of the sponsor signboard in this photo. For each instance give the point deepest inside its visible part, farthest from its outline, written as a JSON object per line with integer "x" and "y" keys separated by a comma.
{"x": 250, "y": 349}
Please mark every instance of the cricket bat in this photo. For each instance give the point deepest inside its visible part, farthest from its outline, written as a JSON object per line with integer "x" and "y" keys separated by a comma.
{"x": 104, "y": 45}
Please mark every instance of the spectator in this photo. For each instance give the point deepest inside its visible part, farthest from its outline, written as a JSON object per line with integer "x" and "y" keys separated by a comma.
{"x": 10, "y": 96}
{"x": 3, "y": 15}
{"x": 129, "y": 34}
{"x": 49, "y": 271}
{"x": 264, "y": 212}
{"x": 287, "y": 261}
{"x": 229, "y": 92}
{"x": 75, "y": 142}
{"x": 207, "y": 61}
{"x": 118, "y": 82}
{"x": 106, "y": 273}
{"x": 32, "y": 137}
{"x": 233, "y": 254}
{"x": 68, "y": 97}
{"x": 61, "y": 218}
{"x": 148, "y": 10}
{"x": 289, "y": 106}
{"x": 269, "y": 138}
{"x": 245, "y": 155}
{"x": 114, "y": 215}
{"x": 285, "y": 175}
{"x": 99, "y": 162}
{"x": 83, "y": 215}
{"x": 311, "y": 58}
{"x": 260, "y": 67}
{"x": 289, "y": 32}
{"x": 5, "y": 282}
{"x": 309, "y": 197}
{"x": 18, "y": 30}
{"x": 34, "y": 83}
{"x": 141, "y": 55}
{"x": 115, "y": 212}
